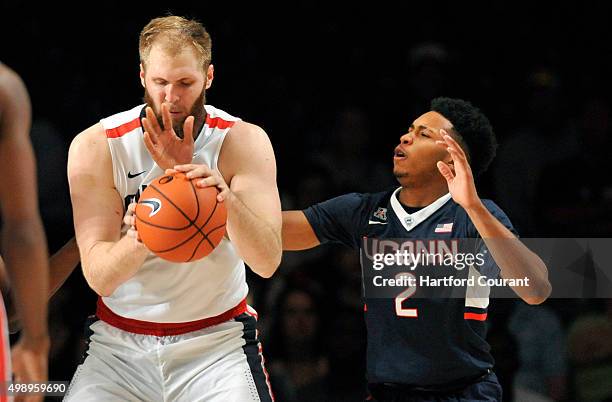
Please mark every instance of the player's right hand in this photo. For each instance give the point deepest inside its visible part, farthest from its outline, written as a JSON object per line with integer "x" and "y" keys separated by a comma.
{"x": 166, "y": 148}
{"x": 30, "y": 364}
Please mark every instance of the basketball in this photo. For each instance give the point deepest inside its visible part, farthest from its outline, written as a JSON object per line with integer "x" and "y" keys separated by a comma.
{"x": 178, "y": 221}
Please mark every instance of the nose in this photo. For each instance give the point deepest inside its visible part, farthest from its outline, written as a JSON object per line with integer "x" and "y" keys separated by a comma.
{"x": 406, "y": 139}
{"x": 171, "y": 93}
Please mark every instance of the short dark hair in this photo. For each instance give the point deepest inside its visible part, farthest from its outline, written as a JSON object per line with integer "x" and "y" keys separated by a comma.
{"x": 474, "y": 129}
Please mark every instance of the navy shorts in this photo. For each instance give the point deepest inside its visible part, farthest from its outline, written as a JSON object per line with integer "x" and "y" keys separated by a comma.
{"x": 486, "y": 389}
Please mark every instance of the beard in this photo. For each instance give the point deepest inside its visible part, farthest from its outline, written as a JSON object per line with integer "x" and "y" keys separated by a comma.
{"x": 197, "y": 111}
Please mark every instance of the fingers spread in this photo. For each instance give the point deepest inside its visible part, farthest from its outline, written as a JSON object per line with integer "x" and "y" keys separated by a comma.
{"x": 167, "y": 120}
{"x": 188, "y": 129}
{"x": 152, "y": 120}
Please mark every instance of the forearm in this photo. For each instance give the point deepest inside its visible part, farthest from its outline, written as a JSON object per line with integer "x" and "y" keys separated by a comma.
{"x": 61, "y": 265}
{"x": 297, "y": 234}
{"x": 25, "y": 253}
{"x": 514, "y": 259}
{"x": 258, "y": 242}
{"x": 106, "y": 265}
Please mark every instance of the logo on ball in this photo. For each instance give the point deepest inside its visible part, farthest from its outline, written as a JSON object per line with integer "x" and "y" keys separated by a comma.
{"x": 153, "y": 203}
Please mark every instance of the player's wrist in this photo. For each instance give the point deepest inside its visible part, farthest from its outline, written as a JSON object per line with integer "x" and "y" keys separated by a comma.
{"x": 475, "y": 207}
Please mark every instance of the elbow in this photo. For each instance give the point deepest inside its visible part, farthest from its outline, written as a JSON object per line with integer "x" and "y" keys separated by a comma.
{"x": 268, "y": 267}
{"x": 539, "y": 294}
{"x": 101, "y": 289}
{"x": 103, "y": 292}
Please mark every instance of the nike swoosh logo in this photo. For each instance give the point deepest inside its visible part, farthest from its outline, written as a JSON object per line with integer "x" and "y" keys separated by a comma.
{"x": 153, "y": 203}
{"x": 131, "y": 176}
{"x": 377, "y": 223}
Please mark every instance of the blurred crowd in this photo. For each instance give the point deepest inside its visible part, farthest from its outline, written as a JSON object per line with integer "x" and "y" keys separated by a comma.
{"x": 334, "y": 89}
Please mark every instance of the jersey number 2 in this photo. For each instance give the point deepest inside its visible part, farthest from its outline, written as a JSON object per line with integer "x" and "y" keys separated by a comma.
{"x": 400, "y": 310}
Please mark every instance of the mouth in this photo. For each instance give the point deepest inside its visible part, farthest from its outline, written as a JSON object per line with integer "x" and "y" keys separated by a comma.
{"x": 398, "y": 154}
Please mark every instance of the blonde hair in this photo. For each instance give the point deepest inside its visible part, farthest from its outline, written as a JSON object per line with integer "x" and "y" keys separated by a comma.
{"x": 174, "y": 34}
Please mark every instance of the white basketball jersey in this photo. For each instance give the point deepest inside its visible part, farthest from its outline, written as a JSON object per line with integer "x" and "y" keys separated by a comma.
{"x": 162, "y": 291}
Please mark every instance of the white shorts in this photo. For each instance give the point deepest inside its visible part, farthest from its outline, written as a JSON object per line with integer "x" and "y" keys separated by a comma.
{"x": 219, "y": 363}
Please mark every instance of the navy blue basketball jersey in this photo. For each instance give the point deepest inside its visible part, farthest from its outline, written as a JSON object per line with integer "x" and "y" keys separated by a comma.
{"x": 427, "y": 342}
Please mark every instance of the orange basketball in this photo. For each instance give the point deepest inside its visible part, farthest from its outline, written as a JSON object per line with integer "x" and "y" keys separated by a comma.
{"x": 178, "y": 221}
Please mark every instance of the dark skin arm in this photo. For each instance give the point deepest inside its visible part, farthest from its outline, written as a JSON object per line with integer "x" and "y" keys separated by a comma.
{"x": 511, "y": 255}
{"x": 24, "y": 247}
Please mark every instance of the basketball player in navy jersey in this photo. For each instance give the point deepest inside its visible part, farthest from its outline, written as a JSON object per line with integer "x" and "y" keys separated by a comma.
{"x": 429, "y": 349}
{"x": 24, "y": 247}
{"x": 173, "y": 331}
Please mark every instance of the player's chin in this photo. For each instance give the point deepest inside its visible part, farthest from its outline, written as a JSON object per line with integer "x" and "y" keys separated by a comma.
{"x": 399, "y": 172}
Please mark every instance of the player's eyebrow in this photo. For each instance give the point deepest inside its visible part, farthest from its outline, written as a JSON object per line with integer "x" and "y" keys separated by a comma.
{"x": 421, "y": 127}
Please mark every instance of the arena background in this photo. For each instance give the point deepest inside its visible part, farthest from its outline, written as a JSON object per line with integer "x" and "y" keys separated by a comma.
{"x": 334, "y": 86}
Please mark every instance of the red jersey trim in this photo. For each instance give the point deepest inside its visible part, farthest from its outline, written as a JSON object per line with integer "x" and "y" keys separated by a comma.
{"x": 123, "y": 129}
{"x": 475, "y": 316}
{"x": 164, "y": 328}
{"x": 218, "y": 122}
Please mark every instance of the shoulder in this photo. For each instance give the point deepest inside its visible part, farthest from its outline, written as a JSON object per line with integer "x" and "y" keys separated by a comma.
{"x": 247, "y": 151}
{"x": 89, "y": 159}
{"x": 14, "y": 99}
{"x": 10, "y": 82}
{"x": 244, "y": 131}
{"x": 89, "y": 137}
{"x": 246, "y": 144}
{"x": 88, "y": 148}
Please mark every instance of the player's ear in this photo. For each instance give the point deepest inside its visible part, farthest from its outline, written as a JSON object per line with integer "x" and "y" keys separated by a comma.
{"x": 210, "y": 75}
{"x": 449, "y": 161}
{"x": 142, "y": 75}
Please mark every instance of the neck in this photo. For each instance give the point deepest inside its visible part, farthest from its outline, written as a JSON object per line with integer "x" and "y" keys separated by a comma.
{"x": 421, "y": 196}
{"x": 198, "y": 128}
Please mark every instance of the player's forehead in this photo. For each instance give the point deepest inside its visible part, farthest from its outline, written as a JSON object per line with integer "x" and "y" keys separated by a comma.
{"x": 433, "y": 120}
{"x": 173, "y": 63}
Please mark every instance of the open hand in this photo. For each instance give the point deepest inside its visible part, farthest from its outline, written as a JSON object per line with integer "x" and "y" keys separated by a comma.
{"x": 166, "y": 148}
{"x": 460, "y": 183}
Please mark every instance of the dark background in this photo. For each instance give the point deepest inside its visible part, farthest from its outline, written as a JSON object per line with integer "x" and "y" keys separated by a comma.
{"x": 334, "y": 85}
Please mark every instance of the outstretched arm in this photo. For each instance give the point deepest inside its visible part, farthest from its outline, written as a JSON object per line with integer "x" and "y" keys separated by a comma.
{"x": 513, "y": 258}
{"x": 297, "y": 233}
{"x": 61, "y": 265}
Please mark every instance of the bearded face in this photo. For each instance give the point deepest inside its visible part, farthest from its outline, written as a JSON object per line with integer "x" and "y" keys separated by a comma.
{"x": 177, "y": 79}
{"x": 178, "y": 117}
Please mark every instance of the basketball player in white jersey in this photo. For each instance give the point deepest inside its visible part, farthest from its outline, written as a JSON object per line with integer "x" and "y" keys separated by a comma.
{"x": 173, "y": 331}
{"x": 24, "y": 247}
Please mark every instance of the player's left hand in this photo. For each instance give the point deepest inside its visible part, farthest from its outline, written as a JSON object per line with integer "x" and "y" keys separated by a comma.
{"x": 166, "y": 148}
{"x": 29, "y": 359}
{"x": 205, "y": 177}
{"x": 460, "y": 183}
